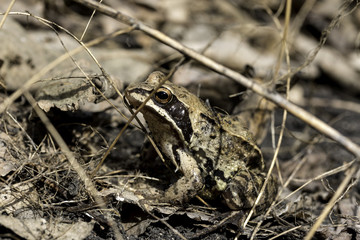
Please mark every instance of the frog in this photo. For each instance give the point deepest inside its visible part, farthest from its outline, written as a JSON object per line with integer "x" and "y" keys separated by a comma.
{"x": 215, "y": 155}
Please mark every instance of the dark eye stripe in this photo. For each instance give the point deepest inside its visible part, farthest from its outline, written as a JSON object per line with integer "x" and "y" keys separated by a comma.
{"x": 180, "y": 114}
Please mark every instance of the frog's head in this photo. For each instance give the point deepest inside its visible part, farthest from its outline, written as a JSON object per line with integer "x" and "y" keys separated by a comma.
{"x": 172, "y": 108}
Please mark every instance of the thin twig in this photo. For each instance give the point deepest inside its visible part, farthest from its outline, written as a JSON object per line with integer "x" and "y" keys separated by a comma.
{"x": 285, "y": 232}
{"x": 88, "y": 24}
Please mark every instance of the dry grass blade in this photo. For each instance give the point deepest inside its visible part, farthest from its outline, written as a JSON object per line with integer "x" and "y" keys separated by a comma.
{"x": 285, "y": 232}
{"x": 88, "y": 24}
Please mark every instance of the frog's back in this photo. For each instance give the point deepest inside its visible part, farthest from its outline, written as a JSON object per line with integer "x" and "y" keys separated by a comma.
{"x": 243, "y": 141}
{"x": 235, "y": 126}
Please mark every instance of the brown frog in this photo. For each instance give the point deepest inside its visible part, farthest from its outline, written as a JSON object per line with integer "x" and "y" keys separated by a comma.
{"x": 215, "y": 154}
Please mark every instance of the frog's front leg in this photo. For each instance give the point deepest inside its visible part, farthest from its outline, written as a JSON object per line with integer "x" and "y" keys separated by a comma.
{"x": 189, "y": 184}
{"x": 244, "y": 188}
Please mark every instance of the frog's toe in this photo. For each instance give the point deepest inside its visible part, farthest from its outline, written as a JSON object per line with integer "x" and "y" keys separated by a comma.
{"x": 242, "y": 191}
{"x": 239, "y": 195}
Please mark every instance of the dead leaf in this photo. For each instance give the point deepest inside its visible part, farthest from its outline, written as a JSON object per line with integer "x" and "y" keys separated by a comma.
{"x": 69, "y": 92}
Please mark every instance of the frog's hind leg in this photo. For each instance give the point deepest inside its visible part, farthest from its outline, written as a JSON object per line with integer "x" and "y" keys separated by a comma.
{"x": 242, "y": 191}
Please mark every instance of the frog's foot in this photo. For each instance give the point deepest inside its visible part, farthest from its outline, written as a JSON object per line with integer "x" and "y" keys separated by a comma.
{"x": 177, "y": 194}
{"x": 242, "y": 191}
{"x": 183, "y": 190}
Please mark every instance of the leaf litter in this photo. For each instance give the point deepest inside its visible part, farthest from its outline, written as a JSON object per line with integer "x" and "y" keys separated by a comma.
{"x": 42, "y": 197}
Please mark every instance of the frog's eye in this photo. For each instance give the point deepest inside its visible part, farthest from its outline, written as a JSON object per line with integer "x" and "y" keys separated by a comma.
{"x": 163, "y": 95}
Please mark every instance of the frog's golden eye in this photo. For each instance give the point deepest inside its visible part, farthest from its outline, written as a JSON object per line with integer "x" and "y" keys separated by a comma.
{"x": 163, "y": 95}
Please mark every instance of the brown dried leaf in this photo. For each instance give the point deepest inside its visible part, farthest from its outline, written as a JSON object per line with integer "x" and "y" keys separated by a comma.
{"x": 68, "y": 93}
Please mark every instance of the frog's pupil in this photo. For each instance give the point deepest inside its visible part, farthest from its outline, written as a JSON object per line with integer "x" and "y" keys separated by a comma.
{"x": 162, "y": 95}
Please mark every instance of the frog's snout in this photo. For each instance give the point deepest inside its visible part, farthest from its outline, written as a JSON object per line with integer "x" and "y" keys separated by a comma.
{"x": 133, "y": 98}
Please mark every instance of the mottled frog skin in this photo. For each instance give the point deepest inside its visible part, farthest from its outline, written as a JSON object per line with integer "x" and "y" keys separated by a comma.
{"x": 215, "y": 154}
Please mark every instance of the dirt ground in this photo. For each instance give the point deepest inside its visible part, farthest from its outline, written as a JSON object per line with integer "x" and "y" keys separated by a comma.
{"x": 71, "y": 168}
